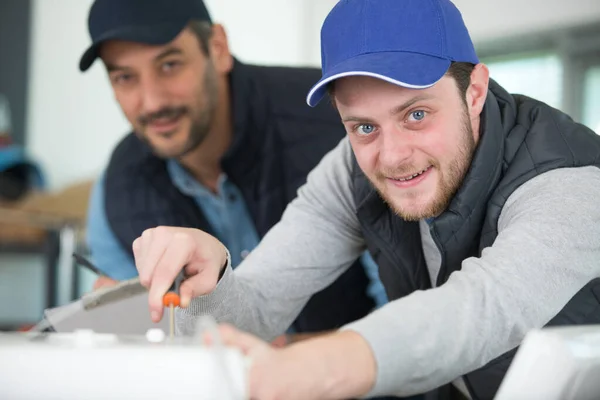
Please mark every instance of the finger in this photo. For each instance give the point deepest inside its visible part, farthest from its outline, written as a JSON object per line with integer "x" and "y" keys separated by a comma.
{"x": 246, "y": 342}
{"x": 153, "y": 249}
{"x": 139, "y": 247}
{"x": 103, "y": 282}
{"x": 280, "y": 341}
{"x": 146, "y": 242}
{"x": 137, "y": 254}
{"x": 200, "y": 284}
{"x": 207, "y": 339}
{"x": 173, "y": 259}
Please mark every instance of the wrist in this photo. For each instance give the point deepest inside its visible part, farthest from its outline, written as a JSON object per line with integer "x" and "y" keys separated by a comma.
{"x": 346, "y": 365}
{"x": 352, "y": 365}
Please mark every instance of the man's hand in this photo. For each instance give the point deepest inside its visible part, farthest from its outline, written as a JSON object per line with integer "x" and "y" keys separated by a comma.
{"x": 103, "y": 281}
{"x": 334, "y": 366}
{"x": 161, "y": 253}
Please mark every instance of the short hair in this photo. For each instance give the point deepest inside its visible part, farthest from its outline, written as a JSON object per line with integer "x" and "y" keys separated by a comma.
{"x": 203, "y": 32}
{"x": 461, "y": 73}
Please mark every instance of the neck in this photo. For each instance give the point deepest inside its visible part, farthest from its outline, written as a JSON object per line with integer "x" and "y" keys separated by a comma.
{"x": 204, "y": 162}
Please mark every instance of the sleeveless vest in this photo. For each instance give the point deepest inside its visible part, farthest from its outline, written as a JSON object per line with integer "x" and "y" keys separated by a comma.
{"x": 520, "y": 139}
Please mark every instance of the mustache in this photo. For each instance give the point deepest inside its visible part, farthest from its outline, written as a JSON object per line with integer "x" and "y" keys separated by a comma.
{"x": 166, "y": 113}
{"x": 403, "y": 170}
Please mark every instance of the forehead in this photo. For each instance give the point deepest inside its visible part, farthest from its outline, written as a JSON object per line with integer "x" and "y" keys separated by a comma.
{"x": 355, "y": 89}
{"x": 128, "y": 52}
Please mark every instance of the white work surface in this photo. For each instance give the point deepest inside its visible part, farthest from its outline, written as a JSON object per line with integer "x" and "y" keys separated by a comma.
{"x": 92, "y": 366}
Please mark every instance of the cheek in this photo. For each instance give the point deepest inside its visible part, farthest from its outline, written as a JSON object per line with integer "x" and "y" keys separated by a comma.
{"x": 438, "y": 151}
{"x": 183, "y": 92}
{"x": 441, "y": 143}
{"x": 186, "y": 88}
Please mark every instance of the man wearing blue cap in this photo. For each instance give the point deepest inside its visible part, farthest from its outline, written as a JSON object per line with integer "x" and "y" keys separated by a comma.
{"x": 479, "y": 206}
{"x": 216, "y": 144}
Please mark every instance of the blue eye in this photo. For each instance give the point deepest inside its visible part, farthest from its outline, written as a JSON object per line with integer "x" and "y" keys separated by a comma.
{"x": 418, "y": 115}
{"x": 365, "y": 129}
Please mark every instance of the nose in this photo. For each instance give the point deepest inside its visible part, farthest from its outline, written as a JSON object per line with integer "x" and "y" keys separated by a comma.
{"x": 395, "y": 148}
{"x": 152, "y": 95}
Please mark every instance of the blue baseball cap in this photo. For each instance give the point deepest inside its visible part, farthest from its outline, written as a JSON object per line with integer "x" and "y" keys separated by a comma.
{"x": 410, "y": 43}
{"x": 153, "y": 22}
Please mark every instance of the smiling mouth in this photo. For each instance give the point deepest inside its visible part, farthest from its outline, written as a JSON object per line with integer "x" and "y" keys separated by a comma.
{"x": 411, "y": 177}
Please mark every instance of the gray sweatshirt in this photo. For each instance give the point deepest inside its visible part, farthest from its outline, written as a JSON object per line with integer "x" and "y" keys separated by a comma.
{"x": 548, "y": 247}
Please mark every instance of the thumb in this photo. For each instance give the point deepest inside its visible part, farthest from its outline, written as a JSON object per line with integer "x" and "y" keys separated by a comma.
{"x": 186, "y": 293}
{"x": 197, "y": 285}
{"x": 246, "y": 342}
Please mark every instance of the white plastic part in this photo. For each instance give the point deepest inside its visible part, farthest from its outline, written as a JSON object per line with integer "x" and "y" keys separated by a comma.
{"x": 155, "y": 335}
{"x": 87, "y": 365}
{"x": 557, "y": 363}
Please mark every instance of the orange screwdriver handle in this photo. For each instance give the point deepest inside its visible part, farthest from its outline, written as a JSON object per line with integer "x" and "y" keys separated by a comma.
{"x": 171, "y": 299}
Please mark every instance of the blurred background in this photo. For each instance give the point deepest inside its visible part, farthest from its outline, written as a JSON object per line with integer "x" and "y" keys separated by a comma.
{"x": 61, "y": 125}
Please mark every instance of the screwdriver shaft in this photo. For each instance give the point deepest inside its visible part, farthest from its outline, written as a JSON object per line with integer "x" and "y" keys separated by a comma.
{"x": 171, "y": 321}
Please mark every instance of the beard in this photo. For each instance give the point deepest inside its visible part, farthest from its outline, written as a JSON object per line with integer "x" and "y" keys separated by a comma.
{"x": 449, "y": 182}
{"x": 201, "y": 120}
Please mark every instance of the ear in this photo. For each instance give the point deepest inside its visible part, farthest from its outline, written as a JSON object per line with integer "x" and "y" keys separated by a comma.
{"x": 477, "y": 90}
{"x": 219, "y": 50}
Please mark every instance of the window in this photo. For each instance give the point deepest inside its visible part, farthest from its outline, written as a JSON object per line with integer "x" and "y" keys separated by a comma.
{"x": 591, "y": 98}
{"x": 534, "y": 75}
{"x": 560, "y": 67}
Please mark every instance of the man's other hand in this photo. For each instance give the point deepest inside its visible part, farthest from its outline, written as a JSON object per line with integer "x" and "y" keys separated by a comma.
{"x": 104, "y": 281}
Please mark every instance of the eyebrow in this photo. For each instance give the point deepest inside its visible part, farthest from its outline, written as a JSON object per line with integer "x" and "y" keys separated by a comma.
{"x": 168, "y": 52}
{"x": 396, "y": 110}
{"x": 410, "y": 102}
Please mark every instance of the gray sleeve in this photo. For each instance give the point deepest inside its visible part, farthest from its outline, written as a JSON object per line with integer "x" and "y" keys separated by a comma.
{"x": 316, "y": 240}
{"x": 547, "y": 249}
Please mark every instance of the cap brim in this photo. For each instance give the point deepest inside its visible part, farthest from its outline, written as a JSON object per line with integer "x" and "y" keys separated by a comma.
{"x": 410, "y": 70}
{"x": 153, "y": 35}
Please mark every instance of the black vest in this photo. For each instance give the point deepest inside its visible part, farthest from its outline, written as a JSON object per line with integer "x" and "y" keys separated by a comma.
{"x": 278, "y": 139}
{"x": 520, "y": 139}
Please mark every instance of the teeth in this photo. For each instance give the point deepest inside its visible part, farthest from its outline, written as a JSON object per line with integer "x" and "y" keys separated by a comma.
{"x": 408, "y": 178}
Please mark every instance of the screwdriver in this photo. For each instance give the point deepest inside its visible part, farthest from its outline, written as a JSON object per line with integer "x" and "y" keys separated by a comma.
{"x": 171, "y": 299}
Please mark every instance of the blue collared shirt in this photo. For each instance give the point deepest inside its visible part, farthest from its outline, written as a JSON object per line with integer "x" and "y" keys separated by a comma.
{"x": 226, "y": 212}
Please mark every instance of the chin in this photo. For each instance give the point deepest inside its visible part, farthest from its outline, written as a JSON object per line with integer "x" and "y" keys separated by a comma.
{"x": 167, "y": 146}
{"x": 167, "y": 151}
{"x": 412, "y": 213}
{"x": 413, "y": 209}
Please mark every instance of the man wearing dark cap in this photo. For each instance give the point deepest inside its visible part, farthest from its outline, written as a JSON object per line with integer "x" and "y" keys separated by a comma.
{"x": 479, "y": 206}
{"x": 216, "y": 144}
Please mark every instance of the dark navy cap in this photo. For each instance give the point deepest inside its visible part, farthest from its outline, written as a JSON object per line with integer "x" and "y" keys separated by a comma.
{"x": 410, "y": 43}
{"x": 154, "y": 22}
